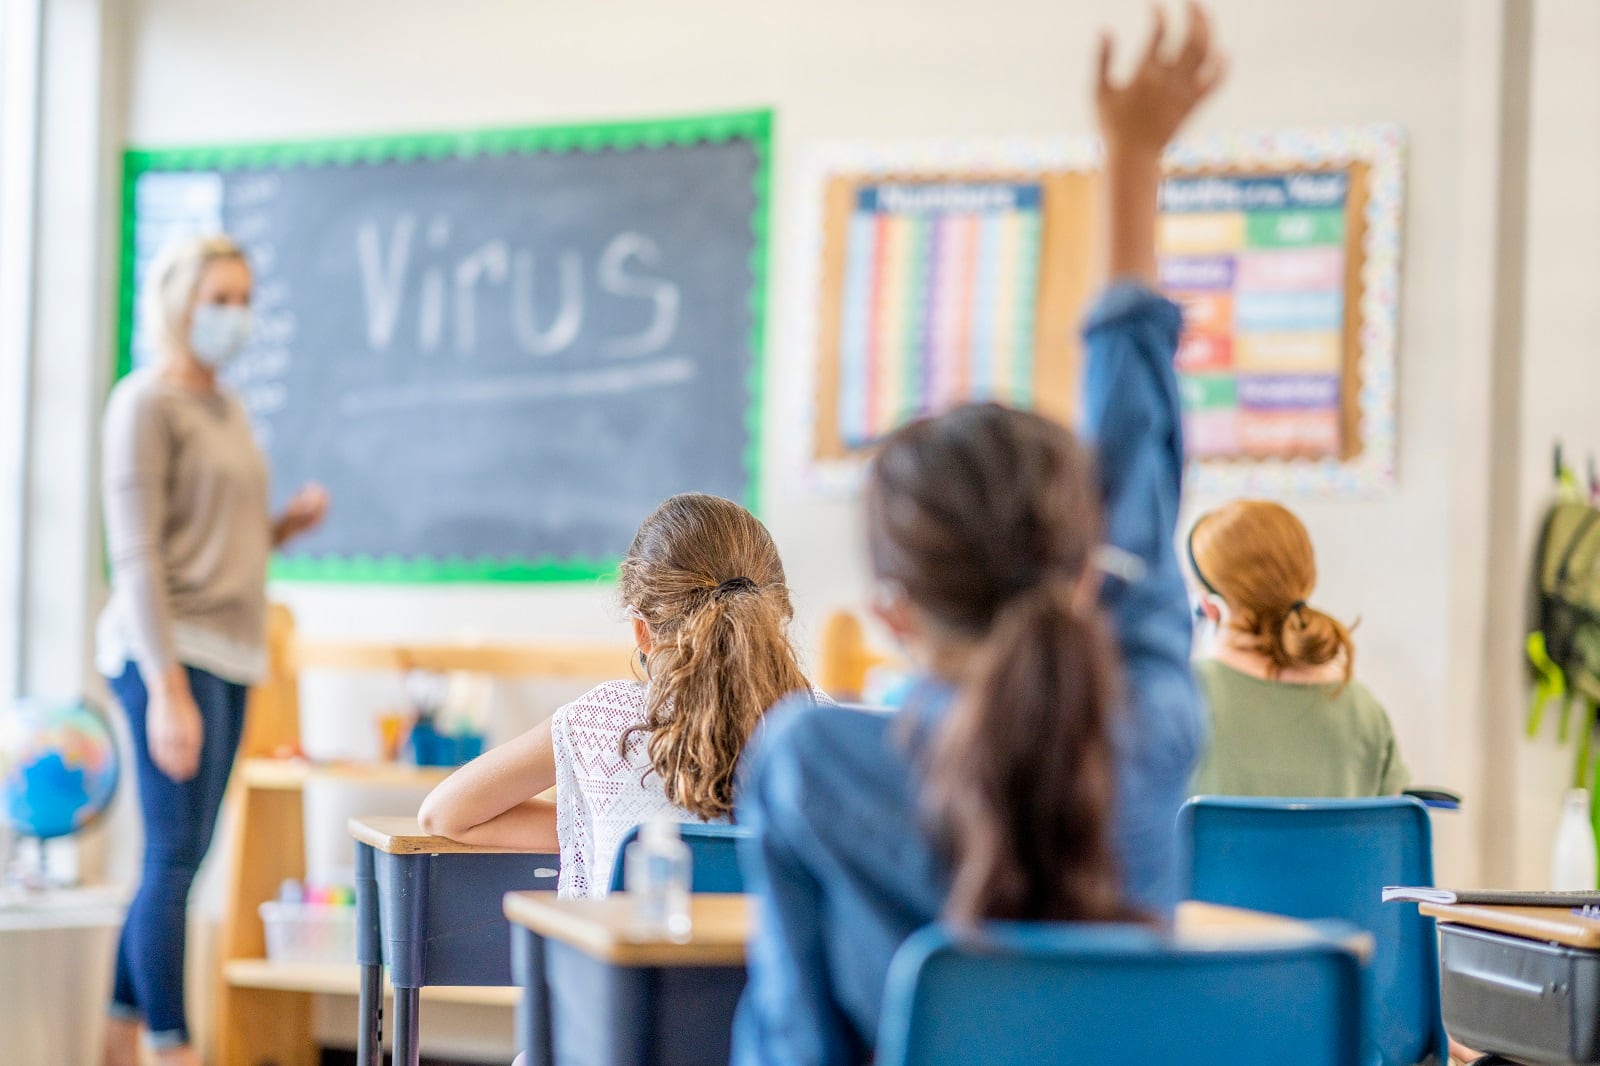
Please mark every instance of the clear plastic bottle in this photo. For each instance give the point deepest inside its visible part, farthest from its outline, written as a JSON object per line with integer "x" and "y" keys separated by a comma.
{"x": 657, "y": 874}
{"x": 1572, "y": 860}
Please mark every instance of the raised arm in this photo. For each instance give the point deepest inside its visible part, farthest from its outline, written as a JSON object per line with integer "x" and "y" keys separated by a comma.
{"x": 1130, "y": 390}
{"x": 1132, "y": 415}
{"x": 490, "y": 801}
{"x": 1138, "y": 119}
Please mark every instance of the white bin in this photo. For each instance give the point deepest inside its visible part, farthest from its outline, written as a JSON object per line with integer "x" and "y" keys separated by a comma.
{"x": 309, "y": 932}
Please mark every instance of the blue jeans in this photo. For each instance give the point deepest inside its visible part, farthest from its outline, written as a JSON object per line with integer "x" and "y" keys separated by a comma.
{"x": 178, "y": 822}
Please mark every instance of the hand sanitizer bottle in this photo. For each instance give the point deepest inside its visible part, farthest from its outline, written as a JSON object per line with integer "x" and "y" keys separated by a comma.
{"x": 1572, "y": 860}
{"x": 657, "y": 876}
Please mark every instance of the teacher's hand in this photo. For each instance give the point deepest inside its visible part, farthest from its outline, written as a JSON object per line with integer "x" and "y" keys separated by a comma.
{"x": 173, "y": 726}
{"x": 304, "y": 512}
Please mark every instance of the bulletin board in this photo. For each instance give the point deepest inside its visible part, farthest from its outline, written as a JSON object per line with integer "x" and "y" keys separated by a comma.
{"x": 946, "y": 273}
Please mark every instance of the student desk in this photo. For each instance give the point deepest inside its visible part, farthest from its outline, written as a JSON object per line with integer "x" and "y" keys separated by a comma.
{"x": 1520, "y": 982}
{"x": 625, "y": 1000}
{"x": 429, "y": 908}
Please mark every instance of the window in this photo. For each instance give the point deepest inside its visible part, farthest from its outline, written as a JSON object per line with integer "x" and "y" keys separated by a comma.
{"x": 19, "y": 111}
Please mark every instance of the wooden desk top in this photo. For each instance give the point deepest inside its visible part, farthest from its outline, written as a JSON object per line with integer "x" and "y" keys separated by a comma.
{"x": 1200, "y": 924}
{"x": 1555, "y": 925}
{"x": 603, "y": 928}
{"x": 402, "y": 836}
{"x": 721, "y": 924}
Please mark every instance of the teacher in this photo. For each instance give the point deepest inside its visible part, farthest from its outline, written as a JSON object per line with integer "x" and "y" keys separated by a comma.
{"x": 189, "y": 535}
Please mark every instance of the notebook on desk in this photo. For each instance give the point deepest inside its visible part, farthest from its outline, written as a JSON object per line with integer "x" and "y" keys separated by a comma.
{"x": 1489, "y": 897}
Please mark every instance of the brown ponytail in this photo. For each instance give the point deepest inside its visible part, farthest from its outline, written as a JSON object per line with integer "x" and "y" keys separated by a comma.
{"x": 988, "y": 518}
{"x": 705, "y": 576}
{"x": 1257, "y": 556}
{"x": 1021, "y": 777}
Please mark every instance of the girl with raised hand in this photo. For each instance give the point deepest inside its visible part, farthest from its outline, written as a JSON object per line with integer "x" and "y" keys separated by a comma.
{"x": 1037, "y": 771}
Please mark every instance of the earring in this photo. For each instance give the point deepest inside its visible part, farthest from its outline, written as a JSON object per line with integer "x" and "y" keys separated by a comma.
{"x": 644, "y": 662}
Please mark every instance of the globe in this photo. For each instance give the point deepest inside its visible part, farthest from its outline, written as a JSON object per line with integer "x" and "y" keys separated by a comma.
{"x": 58, "y": 768}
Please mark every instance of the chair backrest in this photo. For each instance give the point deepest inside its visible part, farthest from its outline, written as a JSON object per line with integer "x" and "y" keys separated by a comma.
{"x": 1048, "y": 993}
{"x": 716, "y": 857}
{"x": 1331, "y": 858}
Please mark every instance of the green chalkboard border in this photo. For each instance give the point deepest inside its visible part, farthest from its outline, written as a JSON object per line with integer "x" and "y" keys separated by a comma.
{"x": 755, "y": 126}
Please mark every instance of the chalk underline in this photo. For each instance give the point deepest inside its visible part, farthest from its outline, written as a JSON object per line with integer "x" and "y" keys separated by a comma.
{"x": 485, "y": 391}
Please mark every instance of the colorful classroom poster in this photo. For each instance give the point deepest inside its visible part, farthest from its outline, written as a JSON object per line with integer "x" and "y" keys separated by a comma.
{"x": 938, "y": 302}
{"x": 1258, "y": 263}
{"x": 920, "y": 267}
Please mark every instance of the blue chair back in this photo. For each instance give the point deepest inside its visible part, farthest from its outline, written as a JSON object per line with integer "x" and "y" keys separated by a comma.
{"x": 1109, "y": 994}
{"x": 716, "y": 857}
{"x": 1331, "y": 858}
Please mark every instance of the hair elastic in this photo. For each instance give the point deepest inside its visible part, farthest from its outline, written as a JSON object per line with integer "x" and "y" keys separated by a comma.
{"x": 732, "y": 585}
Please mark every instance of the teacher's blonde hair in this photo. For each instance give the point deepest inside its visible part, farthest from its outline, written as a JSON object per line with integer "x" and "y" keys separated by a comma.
{"x": 174, "y": 278}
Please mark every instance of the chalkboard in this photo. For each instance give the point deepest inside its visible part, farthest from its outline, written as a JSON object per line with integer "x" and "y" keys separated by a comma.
{"x": 498, "y": 350}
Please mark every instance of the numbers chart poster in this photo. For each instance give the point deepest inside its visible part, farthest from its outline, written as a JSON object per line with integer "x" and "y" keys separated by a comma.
{"x": 938, "y": 305}
{"x": 939, "y": 273}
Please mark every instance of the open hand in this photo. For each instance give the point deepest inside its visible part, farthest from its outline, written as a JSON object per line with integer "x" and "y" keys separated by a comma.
{"x": 304, "y": 511}
{"x": 1142, "y": 114}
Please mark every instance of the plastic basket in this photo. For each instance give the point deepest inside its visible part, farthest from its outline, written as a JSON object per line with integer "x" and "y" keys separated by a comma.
{"x": 309, "y": 932}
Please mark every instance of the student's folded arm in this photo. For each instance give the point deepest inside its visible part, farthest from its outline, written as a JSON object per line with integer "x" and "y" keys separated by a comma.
{"x": 490, "y": 801}
{"x": 788, "y": 1015}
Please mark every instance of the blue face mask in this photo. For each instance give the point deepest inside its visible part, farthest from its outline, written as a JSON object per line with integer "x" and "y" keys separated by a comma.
{"x": 218, "y": 332}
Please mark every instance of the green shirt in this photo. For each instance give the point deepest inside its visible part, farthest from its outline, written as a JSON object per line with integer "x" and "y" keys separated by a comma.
{"x": 1273, "y": 738}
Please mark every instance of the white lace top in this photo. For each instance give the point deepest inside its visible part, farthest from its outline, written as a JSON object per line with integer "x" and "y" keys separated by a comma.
{"x": 600, "y": 795}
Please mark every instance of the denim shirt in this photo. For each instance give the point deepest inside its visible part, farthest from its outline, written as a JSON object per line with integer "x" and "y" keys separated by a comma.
{"x": 839, "y": 865}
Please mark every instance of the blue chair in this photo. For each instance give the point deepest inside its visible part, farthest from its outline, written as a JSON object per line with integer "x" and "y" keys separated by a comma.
{"x": 1111, "y": 994}
{"x": 716, "y": 856}
{"x": 1331, "y": 858}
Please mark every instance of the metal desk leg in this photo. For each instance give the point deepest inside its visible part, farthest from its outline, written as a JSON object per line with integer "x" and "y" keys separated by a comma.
{"x": 407, "y": 1044}
{"x": 369, "y": 954}
{"x": 533, "y": 1010}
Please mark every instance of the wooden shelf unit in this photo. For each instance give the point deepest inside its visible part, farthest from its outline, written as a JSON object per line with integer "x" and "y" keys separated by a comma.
{"x": 294, "y": 773}
{"x": 342, "y": 980}
{"x": 264, "y": 1009}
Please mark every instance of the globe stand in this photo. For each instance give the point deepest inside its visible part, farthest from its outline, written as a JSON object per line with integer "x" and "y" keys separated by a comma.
{"x": 29, "y": 869}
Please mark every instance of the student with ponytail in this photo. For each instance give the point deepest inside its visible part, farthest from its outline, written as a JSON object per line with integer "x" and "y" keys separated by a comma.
{"x": 705, "y": 590}
{"x": 1037, "y": 770}
{"x": 1288, "y": 718}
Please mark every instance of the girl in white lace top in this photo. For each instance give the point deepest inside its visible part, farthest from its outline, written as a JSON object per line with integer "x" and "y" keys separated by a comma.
{"x": 705, "y": 590}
